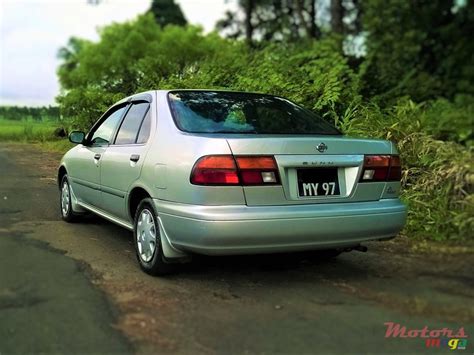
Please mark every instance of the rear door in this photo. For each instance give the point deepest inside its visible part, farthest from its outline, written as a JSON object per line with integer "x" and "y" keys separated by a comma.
{"x": 318, "y": 169}
{"x": 123, "y": 160}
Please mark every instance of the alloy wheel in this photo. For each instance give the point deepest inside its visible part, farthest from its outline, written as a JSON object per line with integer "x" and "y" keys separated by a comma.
{"x": 146, "y": 235}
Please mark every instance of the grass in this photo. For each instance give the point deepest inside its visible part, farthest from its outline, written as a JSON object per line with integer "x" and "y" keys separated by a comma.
{"x": 34, "y": 132}
{"x": 57, "y": 146}
{"x": 27, "y": 131}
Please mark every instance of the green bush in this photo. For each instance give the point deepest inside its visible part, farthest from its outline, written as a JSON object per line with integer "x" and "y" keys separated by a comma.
{"x": 438, "y": 176}
{"x": 450, "y": 121}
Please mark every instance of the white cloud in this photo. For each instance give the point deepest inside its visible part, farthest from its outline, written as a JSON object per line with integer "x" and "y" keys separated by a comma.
{"x": 32, "y": 31}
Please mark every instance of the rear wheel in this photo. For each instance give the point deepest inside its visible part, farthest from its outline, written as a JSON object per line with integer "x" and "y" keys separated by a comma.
{"x": 65, "y": 201}
{"x": 147, "y": 239}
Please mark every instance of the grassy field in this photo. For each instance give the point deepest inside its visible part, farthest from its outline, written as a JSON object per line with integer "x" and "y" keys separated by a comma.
{"x": 30, "y": 131}
{"x": 19, "y": 131}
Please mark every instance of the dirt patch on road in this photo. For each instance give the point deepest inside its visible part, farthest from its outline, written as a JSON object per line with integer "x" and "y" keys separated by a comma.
{"x": 35, "y": 158}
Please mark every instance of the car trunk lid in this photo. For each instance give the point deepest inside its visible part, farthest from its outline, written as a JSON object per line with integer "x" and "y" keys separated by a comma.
{"x": 313, "y": 169}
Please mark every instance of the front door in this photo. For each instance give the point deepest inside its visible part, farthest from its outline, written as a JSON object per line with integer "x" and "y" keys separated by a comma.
{"x": 84, "y": 167}
{"x": 84, "y": 174}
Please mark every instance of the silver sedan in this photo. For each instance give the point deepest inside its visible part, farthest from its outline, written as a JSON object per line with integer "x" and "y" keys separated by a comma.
{"x": 220, "y": 173}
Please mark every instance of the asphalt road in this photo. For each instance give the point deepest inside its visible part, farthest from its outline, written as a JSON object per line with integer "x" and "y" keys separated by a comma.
{"x": 76, "y": 288}
{"x": 47, "y": 301}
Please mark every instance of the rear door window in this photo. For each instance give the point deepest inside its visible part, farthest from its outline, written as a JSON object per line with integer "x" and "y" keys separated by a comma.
{"x": 144, "y": 132}
{"x": 129, "y": 130}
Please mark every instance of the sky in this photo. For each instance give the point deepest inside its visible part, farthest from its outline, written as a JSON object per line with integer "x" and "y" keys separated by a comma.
{"x": 32, "y": 31}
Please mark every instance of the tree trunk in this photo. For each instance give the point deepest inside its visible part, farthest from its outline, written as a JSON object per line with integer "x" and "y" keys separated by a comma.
{"x": 314, "y": 30}
{"x": 337, "y": 13}
{"x": 308, "y": 7}
{"x": 249, "y": 7}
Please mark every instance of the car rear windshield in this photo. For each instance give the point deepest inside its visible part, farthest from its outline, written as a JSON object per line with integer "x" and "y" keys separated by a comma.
{"x": 240, "y": 113}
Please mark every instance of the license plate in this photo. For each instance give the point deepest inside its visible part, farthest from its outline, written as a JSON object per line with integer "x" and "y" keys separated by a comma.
{"x": 317, "y": 182}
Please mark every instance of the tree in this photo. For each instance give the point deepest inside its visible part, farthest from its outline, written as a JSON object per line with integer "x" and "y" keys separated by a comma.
{"x": 69, "y": 56}
{"x": 418, "y": 48}
{"x": 130, "y": 57}
{"x": 271, "y": 20}
{"x": 167, "y": 12}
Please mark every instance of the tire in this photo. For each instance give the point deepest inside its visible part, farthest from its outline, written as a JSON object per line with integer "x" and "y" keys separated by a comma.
{"x": 65, "y": 201}
{"x": 146, "y": 236}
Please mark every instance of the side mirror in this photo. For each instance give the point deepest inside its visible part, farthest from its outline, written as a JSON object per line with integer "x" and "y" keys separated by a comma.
{"x": 77, "y": 137}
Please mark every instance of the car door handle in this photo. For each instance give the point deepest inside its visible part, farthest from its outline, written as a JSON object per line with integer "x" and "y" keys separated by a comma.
{"x": 134, "y": 157}
{"x": 97, "y": 156}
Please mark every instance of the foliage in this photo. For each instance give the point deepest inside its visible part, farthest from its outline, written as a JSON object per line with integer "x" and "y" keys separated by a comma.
{"x": 150, "y": 57}
{"x": 312, "y": 74}
{"x": 130, "y": 57}
{"x": 438, "y": 176}
{"x": 167, "y": 12}
{"x": 450, "y": 120}
{"x": 18, "y": 113}
{"x": 418, "y": 48}
{"x": 271, "y": 20}
{"x": 290, "y": 20}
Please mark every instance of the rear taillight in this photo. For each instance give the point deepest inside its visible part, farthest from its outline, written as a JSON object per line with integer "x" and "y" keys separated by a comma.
{"x": 395, "y": 173}
{"x": 381, "y": 168}
{"x": 258, "y": 170}
{"x": 239, "y": 170}
{"x": 215, "y": 170}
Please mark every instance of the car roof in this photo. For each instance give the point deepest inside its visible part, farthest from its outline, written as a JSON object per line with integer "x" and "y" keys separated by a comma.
{"x": 148, "y": 95}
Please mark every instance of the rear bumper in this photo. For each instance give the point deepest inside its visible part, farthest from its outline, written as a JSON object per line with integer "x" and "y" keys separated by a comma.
{"x": 225, "y": 230}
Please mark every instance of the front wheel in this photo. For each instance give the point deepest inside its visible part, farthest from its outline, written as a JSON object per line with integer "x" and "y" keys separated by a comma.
{"x": 147, "y": 239}
{"x": 65, "y": 201}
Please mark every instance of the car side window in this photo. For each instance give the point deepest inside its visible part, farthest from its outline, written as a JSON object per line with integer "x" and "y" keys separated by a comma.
{"x": 145, "y": 129}
{"x": 103, "y": 134}
{"x": 129, "y": 130}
